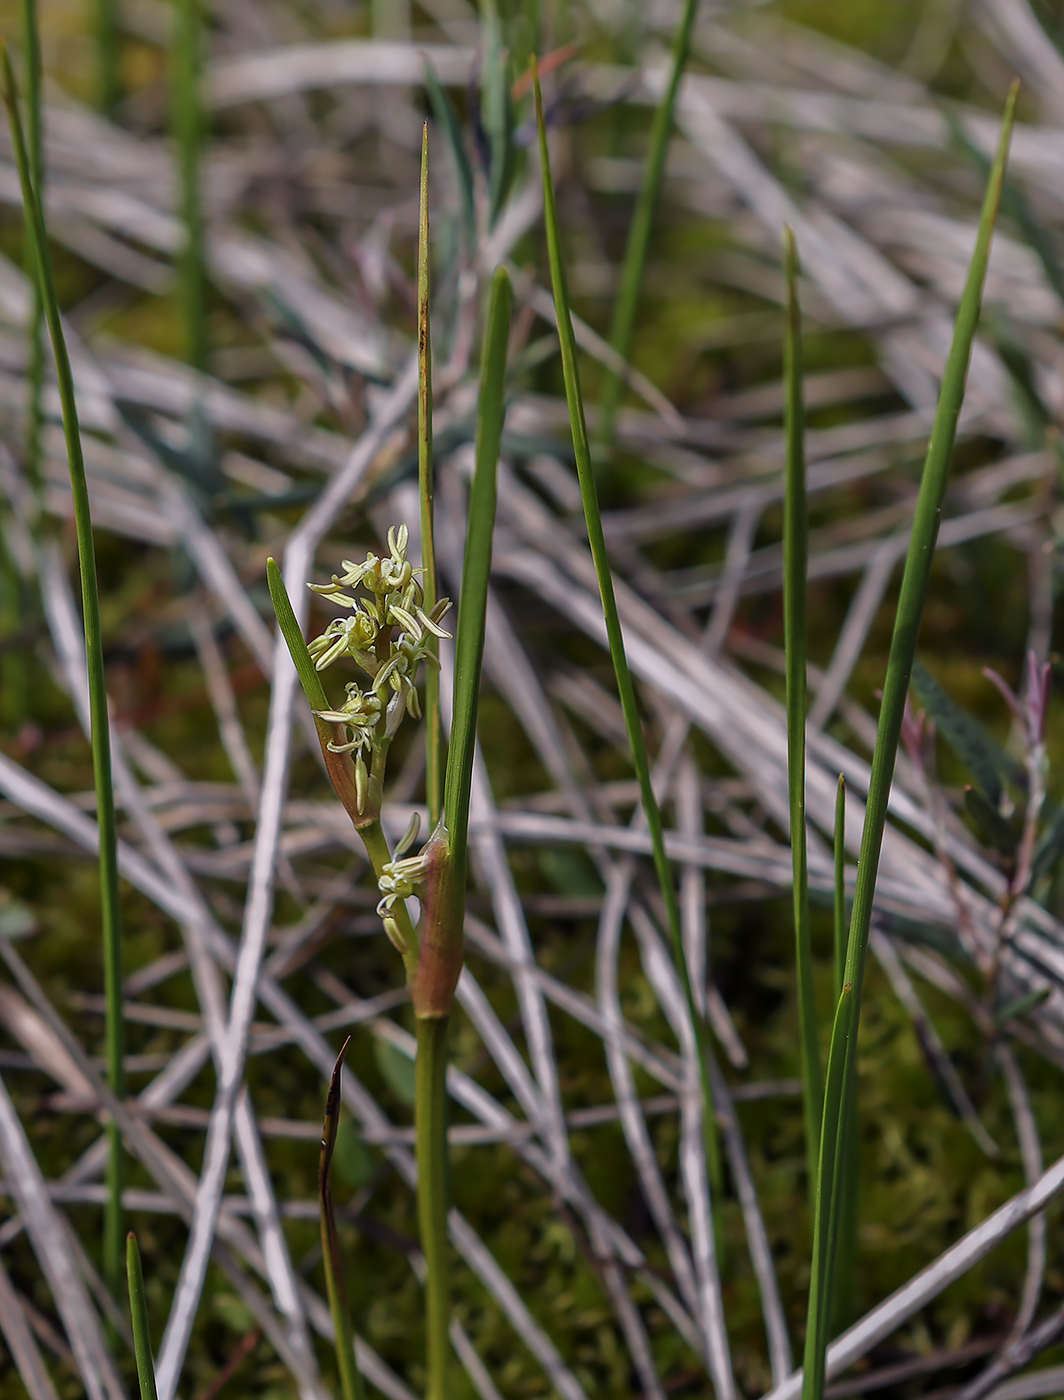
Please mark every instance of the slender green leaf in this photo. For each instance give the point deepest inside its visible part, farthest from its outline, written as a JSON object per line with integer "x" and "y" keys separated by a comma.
{"x": 309, "y": 678}
{"x": 840, "y": 885}
{"x": 108, "y": 50}
{"x": 476, "y": 570}
{"x": 795, "y": 568}
{"x": 1050, "y": 848}
{"x": 433, "y": 725}
{"x": 846, "y": 1265}
{"x": 996, "y": 830}
{"x": 842, "y": 1058}
{"x": 31, "y": 44}
{"x": 635, "y": 254}
{"x": 1022, "y": 1005}
{"x": 189, "y": 128}
{"x": 625, "y": 688}
{"x": 447, "y": 121}
{"x": 110, "y": 910}
{"x": 497, "y": 112}
{"x": 350, "y": 1379}
{"x": 987, "y": 764}
{"x": 138, "y": 1309}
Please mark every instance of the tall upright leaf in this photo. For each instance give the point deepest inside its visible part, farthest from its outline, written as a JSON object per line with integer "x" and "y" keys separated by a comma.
{"x": 842, "y": 1058}
{"x": 626, "y": 690}
{"x": 795, "y": 568}
{"x": 110, "y": 912}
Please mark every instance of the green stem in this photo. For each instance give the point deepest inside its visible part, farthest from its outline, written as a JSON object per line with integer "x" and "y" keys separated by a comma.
{"x": 430, "y": 1110}
{"x": 795, "y": 560}
{"x": 110, "y": 911}
{"x": 188, "y": 124}
{"x": 635, "y": 254}
{"x": 840, "y": 1086}
{"x": 626, "y": 690}
{"x": 433, "y": 725}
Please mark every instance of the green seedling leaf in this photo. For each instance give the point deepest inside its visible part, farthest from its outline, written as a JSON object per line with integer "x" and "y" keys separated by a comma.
{"x": 994, "y": 829}
{"x": 447, "y": 121}
{"x": 350, "y": 1379}
{"x": 138, "y": 1309}
{"x": 965, "y": 736}
{"x": 99, "y": 726}
{"x": 840, "y": 1088}
{"x": 397, "y": 1071}
{"x": 1020, "y": 1007}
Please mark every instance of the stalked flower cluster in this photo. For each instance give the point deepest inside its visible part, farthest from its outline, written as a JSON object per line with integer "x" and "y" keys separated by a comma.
{"x": 388, "y": 633}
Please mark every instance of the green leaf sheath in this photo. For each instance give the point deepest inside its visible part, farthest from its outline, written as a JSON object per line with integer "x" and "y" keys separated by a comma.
{"x": 110, "y": 911}
{"x": 139, "y": 1312}
{"x": 430, "y": 1115}
{"x": 795, "y": 566}
{"x": 350, "y": 1379}
{"x": 433, "y": 726}
{"x": 841, "y": 1071}
{"x": 635, "y": 253}
{"x": 626, "y": 690}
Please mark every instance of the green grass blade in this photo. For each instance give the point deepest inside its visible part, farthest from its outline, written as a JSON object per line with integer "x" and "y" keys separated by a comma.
{"x": 31, "y": 44}
{"x": 430, "y": 1116}
{"x": 108, "y": 84}
{"x": 188, "y": 127}
{"x": 626, "y": 690}
{"x": 309, "y": 678}
{"x": 842, "y": 1058}
{"x": 497, "y": 112}
{"x": 635, "y": 254}
{"x": 350, "y": 1378}
{"x": 476, "y": 568}
{"x": 840, "y": 930}
{"x": 795, "y": 567}
{"x": 138, "y": 1309}
{"x": 846, "y": 1250}
{"x": 447, "y": 121}
{"x": 110, "y": 911}
{"x": 431, "y": 709}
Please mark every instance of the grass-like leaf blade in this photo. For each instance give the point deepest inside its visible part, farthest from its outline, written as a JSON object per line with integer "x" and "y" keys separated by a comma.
{"x": 138, "y": 1309}
{"x": 795, "y": 568}
{"x": 635, "y": 253}
{"x": 476, "y": 569}
{"x": 987, "y": 764}
{"x": 350, "y": 1378}
{"x": 431, "y": 709}
{"x": 842, "y": 1058}
{"x": 626, "y": 690}
{"x": 110, "y": 910}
